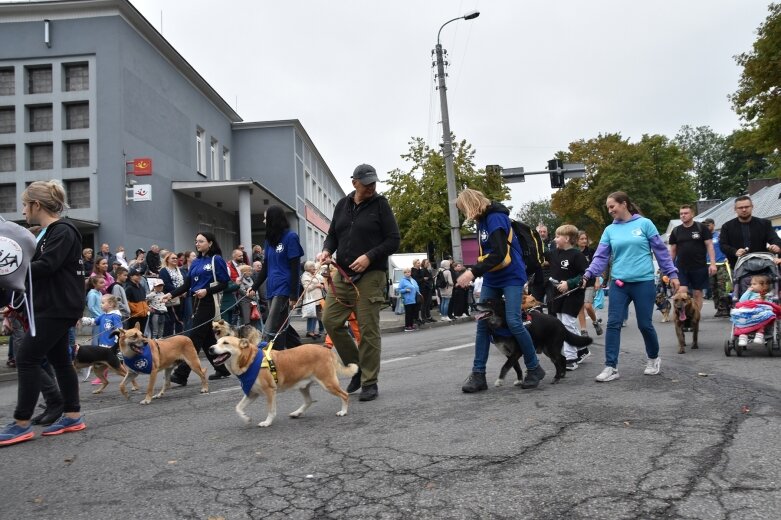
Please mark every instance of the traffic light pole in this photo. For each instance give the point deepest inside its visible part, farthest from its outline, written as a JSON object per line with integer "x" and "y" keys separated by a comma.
{"x": 557, "y": 171}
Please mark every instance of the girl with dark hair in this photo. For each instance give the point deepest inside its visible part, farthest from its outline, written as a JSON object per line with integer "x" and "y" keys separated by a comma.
{"x": 206, "y": 278}
{"x": 629, "y": 243}
{"x": 283, "y": 252}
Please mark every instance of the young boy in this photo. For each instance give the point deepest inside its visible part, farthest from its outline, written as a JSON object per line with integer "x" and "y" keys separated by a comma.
{"x": 567, "y": 265}
{"x": 157, "y": 309}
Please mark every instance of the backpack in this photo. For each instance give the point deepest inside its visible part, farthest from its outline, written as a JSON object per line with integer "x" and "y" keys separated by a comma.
{"x": 440, "y": 281}
{"x": 531, "y": 245}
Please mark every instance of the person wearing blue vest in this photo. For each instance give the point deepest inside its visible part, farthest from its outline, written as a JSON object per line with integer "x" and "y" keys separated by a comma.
{"x": 283, "y": 253}
{"x": 208, "y": 276}
{"x": 719, "y": 282}
{"x": 629, "y": 243}
{"x": 504, "y": 274}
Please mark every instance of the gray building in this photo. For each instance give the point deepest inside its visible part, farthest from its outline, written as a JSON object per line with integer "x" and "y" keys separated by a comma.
{"x": 89, "y": 86}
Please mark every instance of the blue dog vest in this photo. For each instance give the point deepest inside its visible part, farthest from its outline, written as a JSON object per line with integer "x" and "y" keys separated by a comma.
{"x": 141, "y": 362}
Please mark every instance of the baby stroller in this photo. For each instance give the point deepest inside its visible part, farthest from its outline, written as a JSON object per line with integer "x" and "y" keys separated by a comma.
{"x": 746, "y": 267}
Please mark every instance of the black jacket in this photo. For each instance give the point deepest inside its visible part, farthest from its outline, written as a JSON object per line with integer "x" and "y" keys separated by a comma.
{"x": 367, "y": 228}
{"x": 761, "y": 233}
{"x": 58, "y": 273}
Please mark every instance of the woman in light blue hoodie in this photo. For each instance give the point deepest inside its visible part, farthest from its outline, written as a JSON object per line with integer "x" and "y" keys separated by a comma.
{"x": 409, "y": 290}
{"x": 629, "y": 243}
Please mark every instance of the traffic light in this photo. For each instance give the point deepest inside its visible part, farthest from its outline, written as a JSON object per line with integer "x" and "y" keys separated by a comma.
{"x": 493, "y": 169}
{"x": 556, "y": 175}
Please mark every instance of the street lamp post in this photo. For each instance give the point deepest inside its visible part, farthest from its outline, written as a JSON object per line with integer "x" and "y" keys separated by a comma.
{"x": 447, "y": 144}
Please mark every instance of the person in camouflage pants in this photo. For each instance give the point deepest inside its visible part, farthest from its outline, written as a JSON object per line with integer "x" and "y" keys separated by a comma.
{"x": 721, "y": 282}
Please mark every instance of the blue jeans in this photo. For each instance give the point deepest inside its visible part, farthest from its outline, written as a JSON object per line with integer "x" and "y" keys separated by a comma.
{"x": 643, "y": 295}
{"x": 512, "y": 297}
{"x": 443, "y": 306}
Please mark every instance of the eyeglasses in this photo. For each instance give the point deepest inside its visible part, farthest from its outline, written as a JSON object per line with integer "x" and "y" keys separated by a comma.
{"x": 743, "y": 207}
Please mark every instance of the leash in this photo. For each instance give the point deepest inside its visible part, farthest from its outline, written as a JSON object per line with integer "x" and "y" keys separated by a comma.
{"x": 562, "y": 295}
{"x": 346, "y": 277}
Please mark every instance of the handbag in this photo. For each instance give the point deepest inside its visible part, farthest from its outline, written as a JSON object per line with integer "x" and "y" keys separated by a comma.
{"x": 419, "y": 299}
{"x": 138, "y": 309}
{"x": 254, "y": 313}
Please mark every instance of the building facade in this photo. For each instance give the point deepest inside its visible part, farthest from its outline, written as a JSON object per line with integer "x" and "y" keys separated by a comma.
{"x": 88, "y": 86}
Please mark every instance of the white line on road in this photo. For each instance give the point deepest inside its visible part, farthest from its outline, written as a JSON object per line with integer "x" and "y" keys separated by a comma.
{"x": 397, "y": 359}
{"x": 448, "y": 349}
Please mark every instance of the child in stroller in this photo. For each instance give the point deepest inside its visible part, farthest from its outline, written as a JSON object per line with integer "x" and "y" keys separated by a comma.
{"x": 757, "y": 316}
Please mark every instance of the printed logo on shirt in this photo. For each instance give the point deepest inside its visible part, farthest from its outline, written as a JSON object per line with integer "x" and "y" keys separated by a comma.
{"x": 207, "y": 267}
{"x": 565, "y": 264}
{"x": 483, "y": 235}
{"x": 280, "y": 248}
{"x": 637, "y": 232}
{"x": 107, "y": 326}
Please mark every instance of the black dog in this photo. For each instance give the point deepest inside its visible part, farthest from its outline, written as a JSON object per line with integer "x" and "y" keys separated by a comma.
{"x": 101, "y": 358}
{"x": 548, "y": 335}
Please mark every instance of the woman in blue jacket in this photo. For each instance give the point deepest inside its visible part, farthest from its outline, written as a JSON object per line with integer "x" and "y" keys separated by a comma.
{"x": 409, "y": 290}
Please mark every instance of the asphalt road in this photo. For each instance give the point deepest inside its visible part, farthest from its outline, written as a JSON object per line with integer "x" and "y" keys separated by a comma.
{"x": 698, "y": 441}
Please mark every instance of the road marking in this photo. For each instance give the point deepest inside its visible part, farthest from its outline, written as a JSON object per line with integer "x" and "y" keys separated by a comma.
{"x": 448, "y": 349}
{"x": 398, "y": 359}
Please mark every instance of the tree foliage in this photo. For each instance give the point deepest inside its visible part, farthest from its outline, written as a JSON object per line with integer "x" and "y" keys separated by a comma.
{"x": 418, "y": 196}
{"x": 707, "y": 151}
{"x": 538, "y": 212}
{"x": 653, "y": 172}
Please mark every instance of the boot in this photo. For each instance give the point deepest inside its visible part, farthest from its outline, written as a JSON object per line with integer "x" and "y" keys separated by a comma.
{"x": 474, "y": 383}
{"x": 355, "y": 383}
{"x": 533, "y": 377}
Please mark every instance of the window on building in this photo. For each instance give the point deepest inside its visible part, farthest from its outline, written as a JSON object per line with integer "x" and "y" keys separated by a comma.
{"x": 7, "y": 198}
{"x": 7, "y": 81}
{"x": 226, "y": 163}
{"x": 7, "y": 158}
{"x": 77, "y": 191}
{"x": 39, "y": 79}
{"x": 7, "y": 120}
{"x": 76, "y": 115}
{"x": 213, "y": 159}
{"x": 39, "y": 118}
{"x": 199, "y": 150}
{"x": 76, "y": 76}
{"x": 76, "y": 154}
{"x": 41, "y": 156}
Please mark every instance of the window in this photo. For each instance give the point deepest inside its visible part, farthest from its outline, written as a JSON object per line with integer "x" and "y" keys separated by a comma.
{"x": 7, "y": 198}
{"x": 76, "y": 76}
{"x": 76, "y": 115}
{"x": 39, "y": 118}
{"x": 7, "y": 82}
{"x": 226, "y": 163}
{"x": 199, "y": 151}
{"x": 213, "y": 160}
{"x": 76, "y": 154}
{"x": 7, "y": 120}
{"x": 306, "y": 186}
{"x": 7, "y": 158}
{"x": 39, "y": 79}
{"x": 41, "y": 156}
{"x": 77, "y": 191}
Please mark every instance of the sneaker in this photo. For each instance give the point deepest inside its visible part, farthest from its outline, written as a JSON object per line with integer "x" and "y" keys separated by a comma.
{"x": 65, "y": 424}
{"x": 96, "y": 381}
{"x": 598, "y": 327}
{"x": 652, "y": 366}
{"x": 444, "y": 318}
{"x": 759, "y": 338}
{"x": 355, "y": 383}
{"x": 608, "y": 374}
{"x": 623, "y": 324}
{"x": 742, "y": 340}
{"x": 179, "y": 380}
{"x": 474, "y": 383}
{"x": 583, "y": 354}
{"x": 533, "y": 377}
{"x": 584, "y": 333}
{"x": 409, "y": 329}
{"x": 572, "y": 364}
{"x": 13, "y": 433}
{"x": 369, "y": 393}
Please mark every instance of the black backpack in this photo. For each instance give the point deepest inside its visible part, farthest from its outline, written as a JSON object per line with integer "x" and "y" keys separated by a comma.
{"x": 440, "y": 281}
{"x": 531, "y": 246}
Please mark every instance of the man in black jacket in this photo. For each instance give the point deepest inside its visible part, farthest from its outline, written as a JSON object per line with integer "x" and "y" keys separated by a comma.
{"x": 364, "y": 233}
{"x": 747, "y": 234}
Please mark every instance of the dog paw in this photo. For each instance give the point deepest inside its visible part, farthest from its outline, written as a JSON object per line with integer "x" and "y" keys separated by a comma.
{"x": 518, "y": 382}
{"x": 294, "y": 415}
{"x": 499, "y": 382}
{"x": 145, "y": 401}
{"x": 244, "y": 418}
{"x": 264, "y": 424}
{"x": 204, "y": 390}
{"x": 340, "y": 413}
{"x": 97, "y": 391}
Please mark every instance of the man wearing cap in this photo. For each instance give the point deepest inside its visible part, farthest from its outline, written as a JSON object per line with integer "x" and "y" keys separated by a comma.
{"x": 363, "y": 234}
{"x": 719, "y": 282}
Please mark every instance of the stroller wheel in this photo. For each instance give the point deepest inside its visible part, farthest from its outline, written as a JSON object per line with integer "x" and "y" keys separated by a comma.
{"x": 739, "y": 350}
{"x": 769, "y": 346}
{"x": 727, "y": 349}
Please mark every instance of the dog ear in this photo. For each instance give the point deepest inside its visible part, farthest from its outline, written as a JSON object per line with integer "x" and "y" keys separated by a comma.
{"x": 138, "y": 326}
{"x": 245, "y": 356}
{"x": 243, "y": 343}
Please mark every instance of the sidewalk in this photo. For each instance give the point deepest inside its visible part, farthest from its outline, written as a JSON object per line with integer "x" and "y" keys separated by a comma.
{"x": 389, "y": 323}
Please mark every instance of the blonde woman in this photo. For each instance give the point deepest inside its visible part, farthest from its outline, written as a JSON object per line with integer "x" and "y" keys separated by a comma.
{"x": 504, "y": 274}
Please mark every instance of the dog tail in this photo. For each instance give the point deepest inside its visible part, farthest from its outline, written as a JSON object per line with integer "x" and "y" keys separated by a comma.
{"x": 349, "y": 370}
{"x": 577, "y": 340}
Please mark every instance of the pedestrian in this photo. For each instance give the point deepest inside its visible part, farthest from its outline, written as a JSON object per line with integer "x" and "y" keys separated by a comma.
{"x": 117, "y": 289}
{"x": 57, "y": 277}
{"x": 418, "y": 274}
{"x": 588, "y": 295}
{"x": 89, "y": 260}
{"x": 753, "y": 317}
{"x": 541, "y": 288}
{"x": 459, "y": 300}
{"x": 504, "y": 274}
{"x": 630, "y": 241}
{"x": 101, "y": 268}
{"x": 282, "y": 251}
{"x": 409, "y": 291}
{"x": 445, "y": 287}
{"x": 153, "y": 262}
{"x": 105, "y": 252}
{"x": 426, "y": 289}
{"x": 136, "y": 289}
{"x": 364, "y": 233}
{"x": 173, "y": 277}
{"x": 246, "y": 302}
{"x": 314, "y": 286}
{"x": 690, "y": 243}
{"x": 720, "y": 283}
{"x": 157, "y": 309}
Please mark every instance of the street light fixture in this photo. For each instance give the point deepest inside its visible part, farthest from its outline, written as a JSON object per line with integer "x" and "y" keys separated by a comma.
{"x": 447, "y": 145}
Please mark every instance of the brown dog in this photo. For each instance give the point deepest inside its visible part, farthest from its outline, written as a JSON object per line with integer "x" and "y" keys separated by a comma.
{"x": 222, "y": 328}
{"x": 100, "y": 359}
{"x": 686, "y": 315}
{"x": 150, "y": 356}
{"x": 295, "y": 368}
{"x": 663, "y": 305}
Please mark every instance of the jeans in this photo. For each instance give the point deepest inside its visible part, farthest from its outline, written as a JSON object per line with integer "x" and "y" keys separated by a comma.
{"x": 512, "y": 297}
{"x": 444, "y": 304}
{"x": 643, "y": 295}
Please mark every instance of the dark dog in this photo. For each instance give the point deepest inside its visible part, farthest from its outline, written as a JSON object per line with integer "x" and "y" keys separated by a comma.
{"x": 548, "y": 335}
{"x": 100, "y": 358}
{"x": 687, "y": 315}
{"x": 663, "y": 305}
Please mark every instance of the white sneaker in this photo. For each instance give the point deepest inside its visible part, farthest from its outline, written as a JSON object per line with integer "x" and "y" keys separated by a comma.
{"x": 759, "y": 338}
{"x": 652, "y": 366}
{"x": 608, "y": 374}
{"x": 444, "y": 318}
{"x": 742, "y": 340}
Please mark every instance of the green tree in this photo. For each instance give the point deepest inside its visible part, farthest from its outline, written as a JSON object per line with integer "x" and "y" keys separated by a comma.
{"x": 758, "y": 98}
{"x": 707, "y": 151}
{"x": 538, "y": 212}
{"x": 742, "y": 163}
{"x": 418, "y": 195}
{"x": 653, "y": 172}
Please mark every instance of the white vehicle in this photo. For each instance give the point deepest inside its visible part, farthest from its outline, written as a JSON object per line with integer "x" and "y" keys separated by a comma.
{"x": 396, "y": 265}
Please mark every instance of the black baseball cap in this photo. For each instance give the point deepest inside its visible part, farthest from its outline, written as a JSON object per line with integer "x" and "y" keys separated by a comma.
{"x": 365, "y": 174}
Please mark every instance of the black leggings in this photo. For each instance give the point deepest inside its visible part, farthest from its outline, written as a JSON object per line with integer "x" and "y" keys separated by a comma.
{"x": 410, "y": 313}
{"x": 51, "y": 343}
{"x": 202, "y": 335}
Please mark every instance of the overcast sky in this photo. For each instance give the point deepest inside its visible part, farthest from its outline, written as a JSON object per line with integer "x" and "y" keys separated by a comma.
{"x": 525, "y": 78}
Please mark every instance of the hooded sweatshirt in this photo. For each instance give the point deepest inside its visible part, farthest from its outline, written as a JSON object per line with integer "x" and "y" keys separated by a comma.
{"x": 493, "y": 228}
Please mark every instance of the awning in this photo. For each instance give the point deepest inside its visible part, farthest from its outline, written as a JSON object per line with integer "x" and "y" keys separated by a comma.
{"x": 223, "y": 195}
